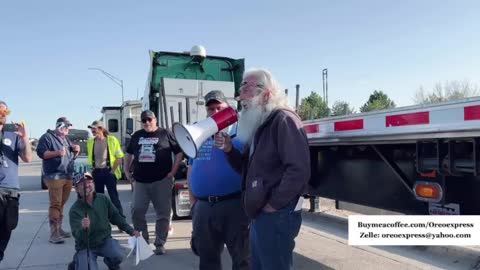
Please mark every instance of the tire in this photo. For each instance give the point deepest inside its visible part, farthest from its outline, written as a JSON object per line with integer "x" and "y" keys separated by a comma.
{"x": 44, "y": 187}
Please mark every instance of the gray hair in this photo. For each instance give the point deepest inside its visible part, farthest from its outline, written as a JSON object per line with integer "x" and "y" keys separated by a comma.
{"x": 266, "y": 81}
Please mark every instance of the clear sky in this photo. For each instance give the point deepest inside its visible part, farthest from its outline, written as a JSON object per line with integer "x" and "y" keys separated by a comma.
{"x": 46, "y": 48}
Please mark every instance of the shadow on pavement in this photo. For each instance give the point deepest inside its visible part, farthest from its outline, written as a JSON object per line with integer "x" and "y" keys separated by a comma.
{"x": 304, "y": 263}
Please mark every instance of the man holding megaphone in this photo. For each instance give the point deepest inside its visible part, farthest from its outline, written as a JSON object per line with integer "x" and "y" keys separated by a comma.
{"x": 218, "y": 218}
{"x": 275, "y": 167}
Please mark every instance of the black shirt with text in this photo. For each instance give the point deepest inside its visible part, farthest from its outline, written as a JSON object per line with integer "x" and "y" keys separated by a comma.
{"x": 153, "y": 154}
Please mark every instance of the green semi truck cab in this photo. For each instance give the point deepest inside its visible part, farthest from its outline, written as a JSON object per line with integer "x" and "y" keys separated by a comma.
{"x": 178, "y": 81}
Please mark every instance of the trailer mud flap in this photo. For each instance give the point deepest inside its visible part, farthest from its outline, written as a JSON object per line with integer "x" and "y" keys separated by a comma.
{"x": 447, "y": 209}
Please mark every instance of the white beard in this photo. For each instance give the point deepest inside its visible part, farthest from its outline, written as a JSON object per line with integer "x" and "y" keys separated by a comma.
{"x": 250, "y": 119}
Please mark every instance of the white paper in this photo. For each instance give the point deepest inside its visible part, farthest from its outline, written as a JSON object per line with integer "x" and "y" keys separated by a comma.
{"x": 137, "y": 257}
{"x": 132, "y": 243}
{"x": 142, "y": 250}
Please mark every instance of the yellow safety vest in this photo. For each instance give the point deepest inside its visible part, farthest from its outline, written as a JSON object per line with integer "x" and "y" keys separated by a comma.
{"x": 114, "y": 152}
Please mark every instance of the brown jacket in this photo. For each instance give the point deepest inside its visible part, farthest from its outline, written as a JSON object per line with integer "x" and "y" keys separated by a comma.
{"x": 279, "y": 169}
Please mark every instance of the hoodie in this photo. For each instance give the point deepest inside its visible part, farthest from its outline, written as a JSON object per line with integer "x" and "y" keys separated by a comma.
{"x": 57, "y": 167}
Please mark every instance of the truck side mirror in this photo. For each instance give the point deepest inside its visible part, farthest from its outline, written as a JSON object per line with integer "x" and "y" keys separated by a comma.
{"x": 129, "y": 128}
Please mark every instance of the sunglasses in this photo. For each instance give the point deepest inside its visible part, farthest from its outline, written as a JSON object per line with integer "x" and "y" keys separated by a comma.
{"x": 4, "y": 112}
{"x": 145, "y": 120}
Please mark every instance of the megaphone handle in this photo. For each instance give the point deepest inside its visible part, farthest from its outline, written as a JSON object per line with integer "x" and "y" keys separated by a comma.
{"x": 223, "y": 138}
{"x": 223, "y": 135}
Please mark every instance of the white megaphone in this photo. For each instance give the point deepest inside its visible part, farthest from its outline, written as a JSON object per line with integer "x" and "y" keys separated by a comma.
{"x": 191, "y": 137}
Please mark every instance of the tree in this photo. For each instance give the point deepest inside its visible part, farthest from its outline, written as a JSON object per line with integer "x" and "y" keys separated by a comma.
{"x": 448, "y": 91}
{"x": 313, "y": 107}
{"x": 342, "y": 108}
{"x": 378, "y": 101}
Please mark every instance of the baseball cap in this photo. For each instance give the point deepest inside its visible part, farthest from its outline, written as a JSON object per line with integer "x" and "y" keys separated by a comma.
{"x": 96, "y": 124}
{"x": 215, "y": 95}
{"x": 80, "y": 178}
{"x": 147, "y": 114}
{"x": 4, "y": 103}
{"x": 63, "y": 121}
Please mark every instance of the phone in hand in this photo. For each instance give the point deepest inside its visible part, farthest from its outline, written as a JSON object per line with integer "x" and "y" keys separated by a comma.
{"x": 10, "y": 127}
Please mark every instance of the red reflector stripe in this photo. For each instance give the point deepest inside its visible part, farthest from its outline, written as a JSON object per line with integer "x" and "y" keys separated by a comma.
{"x": 311, "y": 128}
{"x": 431, "y": 174}
{"x": 349, "y": 125}
{"x": 407, "y": 119}
{"x": 471, "y": 113}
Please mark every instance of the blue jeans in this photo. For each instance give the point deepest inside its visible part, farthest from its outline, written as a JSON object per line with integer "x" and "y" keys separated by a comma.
{"x": 110, "y": 250}
{"x": 272, "y": 238}
{"x": 102, "y": 178}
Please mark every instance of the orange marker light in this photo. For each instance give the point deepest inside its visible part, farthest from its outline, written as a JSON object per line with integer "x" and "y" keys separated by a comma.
{"x": 428, "y": 191}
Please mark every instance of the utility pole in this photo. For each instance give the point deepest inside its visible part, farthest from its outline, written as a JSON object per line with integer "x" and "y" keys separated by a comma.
{"x": 297, "y": 88}
{"x": 325, "y": 85}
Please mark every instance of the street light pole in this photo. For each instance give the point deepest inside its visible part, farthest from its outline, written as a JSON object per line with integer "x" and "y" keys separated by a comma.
{"x": 325, "y": 85}
{"x": 114, "y": 79}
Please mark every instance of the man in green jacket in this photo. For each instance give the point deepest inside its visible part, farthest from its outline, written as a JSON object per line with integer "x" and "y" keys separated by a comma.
{"x": 90, "y": 216}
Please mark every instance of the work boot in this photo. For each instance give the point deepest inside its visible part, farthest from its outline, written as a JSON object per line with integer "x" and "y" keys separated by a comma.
{"x": 63, "y": 233}
{"x": 55, "y": 237}
{"x": 159, "y": 250}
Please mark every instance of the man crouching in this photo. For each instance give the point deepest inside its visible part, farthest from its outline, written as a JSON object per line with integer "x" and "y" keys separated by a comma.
{"x": 90, "y": 218}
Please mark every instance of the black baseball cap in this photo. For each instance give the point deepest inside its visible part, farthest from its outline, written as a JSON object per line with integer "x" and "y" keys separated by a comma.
{"x": 147, "y": 114}
{"x": 215, "y": 95}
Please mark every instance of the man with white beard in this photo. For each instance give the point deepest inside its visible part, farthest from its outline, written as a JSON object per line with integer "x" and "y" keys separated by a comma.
{"x": 275, "y": 168}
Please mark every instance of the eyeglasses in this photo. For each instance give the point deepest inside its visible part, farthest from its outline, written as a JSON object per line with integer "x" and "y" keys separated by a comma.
{"x": 145, "y": 120}
{"x": 249, "y": 86}
{"x": 4, "y": 112}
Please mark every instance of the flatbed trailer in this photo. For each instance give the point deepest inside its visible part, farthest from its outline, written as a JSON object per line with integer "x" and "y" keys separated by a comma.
{"x": 414, "y": 160}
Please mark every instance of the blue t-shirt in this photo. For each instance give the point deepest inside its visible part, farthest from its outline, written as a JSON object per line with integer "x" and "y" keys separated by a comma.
{"x": 211, "y": 175}
{"x": 11, "y": 145}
